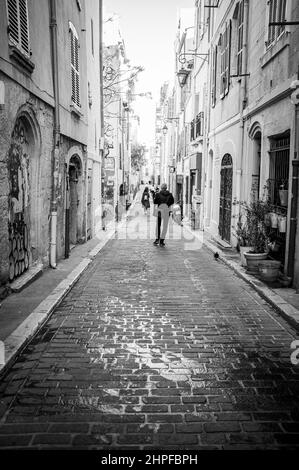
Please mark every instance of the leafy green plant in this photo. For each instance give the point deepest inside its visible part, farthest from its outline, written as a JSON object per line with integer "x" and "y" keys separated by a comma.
{"x": 254, "y": 230}
{"x": 242, "y": 232}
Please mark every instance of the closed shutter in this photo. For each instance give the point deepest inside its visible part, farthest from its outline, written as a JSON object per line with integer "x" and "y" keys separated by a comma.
{"x": 277, "y": 12}
{"x": 17, "y": 11}
{"x": 222, "y": 63}
{"x": 240, "y": 37}
{"x": 75, "y": 72}
{"x": 227, "y": 58}
{"x": 214, "y": 75}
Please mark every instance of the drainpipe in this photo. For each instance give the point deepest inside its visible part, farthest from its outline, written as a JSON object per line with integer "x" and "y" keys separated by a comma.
{"x": 243, "y": 99}
{"x": 56, "y": 147}
{"x": 294, "y": 188}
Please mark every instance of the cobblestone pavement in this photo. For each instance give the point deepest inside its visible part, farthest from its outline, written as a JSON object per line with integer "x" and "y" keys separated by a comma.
{"x": 162, "y": 348}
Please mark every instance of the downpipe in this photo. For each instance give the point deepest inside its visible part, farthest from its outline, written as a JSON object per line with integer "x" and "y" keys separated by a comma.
{"x": 56, "y": 148}
{"x": 243, "y": 99}
{"x": 295, "y": 186}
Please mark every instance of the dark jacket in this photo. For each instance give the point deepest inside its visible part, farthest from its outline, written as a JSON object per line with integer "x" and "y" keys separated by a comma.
{"x": 145, "y": 199}
{"x": 164, "y": 197}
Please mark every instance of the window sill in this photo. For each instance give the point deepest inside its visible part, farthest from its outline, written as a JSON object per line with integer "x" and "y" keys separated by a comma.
{"x": 275, "y": 48}
{"x": 17, "y": 56}
{"x": 76, "y": 110}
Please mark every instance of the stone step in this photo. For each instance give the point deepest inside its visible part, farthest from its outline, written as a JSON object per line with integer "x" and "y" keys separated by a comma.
{"x": 25, "y": 279}
{"x": 222, "y": 244}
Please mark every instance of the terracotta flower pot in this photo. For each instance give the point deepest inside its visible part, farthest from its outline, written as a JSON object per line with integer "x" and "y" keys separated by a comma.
{"x": 269, "y": 270}
{"x": 253, "y": 260}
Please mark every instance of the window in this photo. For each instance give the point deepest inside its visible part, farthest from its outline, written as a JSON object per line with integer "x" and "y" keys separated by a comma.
{"x": 18, "y": 27}
{"x": 192, "y": 133}
{"x": 75, "y": 73}
{"x": 225, "y": 61}
{"x": 240, "y": 37}
{"x": 277, "y": 9}
{"x": 199, "y": 125}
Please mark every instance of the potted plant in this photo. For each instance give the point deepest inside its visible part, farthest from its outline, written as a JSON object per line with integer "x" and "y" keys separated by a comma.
{"x": 257, "y": 233}
{"x": 269, "y": 270}
{"x": 241, "y": 233}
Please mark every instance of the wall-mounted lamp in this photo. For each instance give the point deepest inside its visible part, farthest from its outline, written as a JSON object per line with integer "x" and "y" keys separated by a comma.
{"x": 165, "y": 128}
{"x": 182, "y": 75}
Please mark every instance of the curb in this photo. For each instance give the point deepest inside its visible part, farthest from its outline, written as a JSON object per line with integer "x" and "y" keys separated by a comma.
{"x": 287, "y": 311}
{"x": 20, "y": 337}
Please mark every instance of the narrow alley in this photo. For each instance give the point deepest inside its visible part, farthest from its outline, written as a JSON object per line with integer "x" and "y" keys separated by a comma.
{"x": 155, "y": 348}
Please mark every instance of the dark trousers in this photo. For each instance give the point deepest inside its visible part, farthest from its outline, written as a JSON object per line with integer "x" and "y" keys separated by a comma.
{"x": 159, "y": 220}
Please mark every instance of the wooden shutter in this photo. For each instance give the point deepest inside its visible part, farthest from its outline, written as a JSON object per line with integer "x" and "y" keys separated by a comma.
{"x": 17, "y": 11}
{"x": 75, "y": 72}
{"x": 240, "y": 37}
{"x": 214, "y": 75}
{"x": 227, "y": 58}
{"x": 24, "y": 33}
{"x": 222, "y": 63}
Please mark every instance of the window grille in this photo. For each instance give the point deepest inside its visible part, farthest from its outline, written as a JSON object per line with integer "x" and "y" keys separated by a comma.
{"x": 279, "y": 167}
{"x": 277, "y": 9}
{"x": 18, "y": 25}
{"x": 75, "y": 72}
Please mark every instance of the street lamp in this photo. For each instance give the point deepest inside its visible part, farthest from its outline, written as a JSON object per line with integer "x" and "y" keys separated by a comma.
{"x": 165, "y": 128}
{"x": 182, "y": 75}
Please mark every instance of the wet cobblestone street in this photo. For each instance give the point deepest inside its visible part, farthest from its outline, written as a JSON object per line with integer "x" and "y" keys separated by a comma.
{"x": 162, "y": 348}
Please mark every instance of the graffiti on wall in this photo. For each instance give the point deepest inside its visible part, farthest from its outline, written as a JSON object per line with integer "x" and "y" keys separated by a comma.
{"x": 19, "y": 199}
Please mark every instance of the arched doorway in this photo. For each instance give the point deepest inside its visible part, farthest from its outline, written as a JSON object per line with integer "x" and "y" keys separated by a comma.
{"x": 22, "y": 198}
{"x": 225, "y": 208}
{"x": 255, "y": 135}
{"x": 73, "y": 229}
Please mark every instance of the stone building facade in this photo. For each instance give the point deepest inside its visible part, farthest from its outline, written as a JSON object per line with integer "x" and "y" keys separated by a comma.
{"x": 43, "y": 132}
{"x": 241, "y": 117}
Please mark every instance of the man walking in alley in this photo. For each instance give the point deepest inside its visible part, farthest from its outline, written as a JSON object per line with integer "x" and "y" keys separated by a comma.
{"x": 163, "y": 200}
